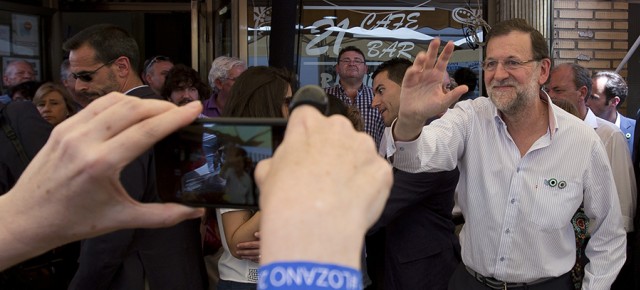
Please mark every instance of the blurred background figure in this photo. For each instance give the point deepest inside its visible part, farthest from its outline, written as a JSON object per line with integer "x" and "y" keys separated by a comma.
{"x": 466, "y": 76}
{"x": 183, "y": 85}
{"x": 54, "y": 103}
{"x": 24, "y": 91}
{"x": 261, "y": 93}
{"x": 16, "y": 72}
{"x": 69, "y": 82}
{"x": 155, "y": 71}
{"x": 222, "y": 76}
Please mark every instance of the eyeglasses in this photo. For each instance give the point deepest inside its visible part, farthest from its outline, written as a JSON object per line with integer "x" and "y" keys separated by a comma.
{"x": 354, "y": 61}
{"x": 509, "y": 64}
{"x": 87, "y": 76}
{"x": 150, "y": 62}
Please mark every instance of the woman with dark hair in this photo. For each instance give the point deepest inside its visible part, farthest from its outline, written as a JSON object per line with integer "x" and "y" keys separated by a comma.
{"x": 24, "y": 91}
{"x": 183, "y": 85}
{"x": 259, "y": 92}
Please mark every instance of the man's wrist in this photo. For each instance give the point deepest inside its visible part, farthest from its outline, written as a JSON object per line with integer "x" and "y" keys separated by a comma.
{"x": 308, "y": 275}
{"x": 406, "y": 131}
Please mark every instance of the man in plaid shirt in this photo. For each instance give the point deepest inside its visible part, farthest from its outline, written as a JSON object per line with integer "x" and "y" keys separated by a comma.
{"x": 351, "y": 68}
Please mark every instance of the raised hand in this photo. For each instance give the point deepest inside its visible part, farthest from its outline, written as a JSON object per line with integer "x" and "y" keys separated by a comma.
{"x": 422, "y": 96}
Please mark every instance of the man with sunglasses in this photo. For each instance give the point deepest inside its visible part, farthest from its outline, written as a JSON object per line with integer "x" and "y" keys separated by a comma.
{"x": 104, "y": 59}
{"x": 155, "y": 72}
{"x": 525, "y": 167}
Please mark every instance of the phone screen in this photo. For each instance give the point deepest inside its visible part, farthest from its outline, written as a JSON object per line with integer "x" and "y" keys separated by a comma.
{"x": 211, "y": 162}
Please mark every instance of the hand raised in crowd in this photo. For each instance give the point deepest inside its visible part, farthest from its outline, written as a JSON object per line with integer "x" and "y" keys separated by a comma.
{"x": 322, "y": 189}
{"x": 422, "y": 96}
{"x": 71, "y": 189}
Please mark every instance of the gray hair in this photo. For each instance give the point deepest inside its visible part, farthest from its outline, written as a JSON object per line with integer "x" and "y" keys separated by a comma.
{"x": 220, "y": 68}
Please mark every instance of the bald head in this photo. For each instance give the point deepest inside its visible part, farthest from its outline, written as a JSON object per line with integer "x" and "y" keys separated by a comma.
{"x": 17, "y": 72}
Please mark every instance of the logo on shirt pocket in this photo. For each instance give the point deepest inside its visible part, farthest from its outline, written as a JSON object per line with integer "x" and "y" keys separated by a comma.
{"x": 553, "y": 203}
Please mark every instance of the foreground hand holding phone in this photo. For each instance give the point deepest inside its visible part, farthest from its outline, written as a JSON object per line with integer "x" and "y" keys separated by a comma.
{"x": 71, "y": 189}
{"x": 322, "y": 189}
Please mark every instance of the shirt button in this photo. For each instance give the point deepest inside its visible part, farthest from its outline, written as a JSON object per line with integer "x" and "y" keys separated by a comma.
{"x": 501, "y": 259}
{"x": 513, "y": 200}
{"x": 518, "y": 170}
{"x": 401, "y": 148}
{"x": 507, "y": 231}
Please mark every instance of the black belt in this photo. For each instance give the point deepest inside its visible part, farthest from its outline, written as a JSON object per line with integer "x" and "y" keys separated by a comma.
{"x": 494, "y": 283}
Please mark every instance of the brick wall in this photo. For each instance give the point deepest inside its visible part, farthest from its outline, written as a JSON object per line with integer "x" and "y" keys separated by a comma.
{"x": 591, "y": 33}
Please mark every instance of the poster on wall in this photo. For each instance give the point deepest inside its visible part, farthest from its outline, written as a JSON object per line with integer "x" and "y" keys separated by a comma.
{"x": 35, "y": 63}
{"x": 25, "y": 35}
{"x": 5, "y": 40}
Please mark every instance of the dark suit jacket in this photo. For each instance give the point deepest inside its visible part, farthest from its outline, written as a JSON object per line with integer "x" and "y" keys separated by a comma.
{"x": 422, "y": 250}
{"x": 169, "y": 258}
{"x": 32, "y": 131}
{"x": 628, "y": 126}
{"x": 634, "y": 240}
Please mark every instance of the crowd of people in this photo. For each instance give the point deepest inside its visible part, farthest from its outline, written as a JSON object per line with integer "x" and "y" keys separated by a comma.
{"x": 548, "y": 192}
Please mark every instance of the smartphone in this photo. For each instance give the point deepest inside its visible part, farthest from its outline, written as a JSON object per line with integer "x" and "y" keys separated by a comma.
{"x": 211, "y": 162}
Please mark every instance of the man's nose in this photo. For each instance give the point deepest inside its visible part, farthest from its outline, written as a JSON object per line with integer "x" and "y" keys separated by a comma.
{"x": 376, "y": 101}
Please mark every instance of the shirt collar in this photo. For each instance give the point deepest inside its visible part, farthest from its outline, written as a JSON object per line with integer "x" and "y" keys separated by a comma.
{"x": 617, "y": 119}
{"x": 553, "y": 121}
{"x": 590, "y": 119}
{"x": 135, "y": 88}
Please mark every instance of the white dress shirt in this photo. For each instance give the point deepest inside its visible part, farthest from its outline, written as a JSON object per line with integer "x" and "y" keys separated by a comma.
{"x": 518, "y": 209}
{"x": 620, "y": 160}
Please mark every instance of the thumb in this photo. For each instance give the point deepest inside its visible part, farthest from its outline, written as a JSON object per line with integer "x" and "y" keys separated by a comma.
{"x": 159, "y": 215}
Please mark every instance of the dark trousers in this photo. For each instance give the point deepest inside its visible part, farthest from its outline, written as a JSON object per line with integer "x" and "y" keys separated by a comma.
{"x": 625, "y": 279}
{"x": 462, "y": 280}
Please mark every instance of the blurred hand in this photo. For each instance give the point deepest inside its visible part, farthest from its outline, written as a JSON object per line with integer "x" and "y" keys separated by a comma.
{"x": 323, "y": 188}
{"x": 71, "y": 190}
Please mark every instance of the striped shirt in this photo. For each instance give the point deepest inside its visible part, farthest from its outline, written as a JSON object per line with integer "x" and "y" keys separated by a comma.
{"x": 373, "y": 124}
{"x": 518, "y": 209}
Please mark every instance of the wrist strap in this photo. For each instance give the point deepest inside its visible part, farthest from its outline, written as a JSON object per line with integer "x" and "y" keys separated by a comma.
{"x": 308, "y": 275}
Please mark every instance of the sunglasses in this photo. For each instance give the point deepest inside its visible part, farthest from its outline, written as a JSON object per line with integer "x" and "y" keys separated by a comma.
{"x": 87, "y": 76}
{"x": 150, "y": 62}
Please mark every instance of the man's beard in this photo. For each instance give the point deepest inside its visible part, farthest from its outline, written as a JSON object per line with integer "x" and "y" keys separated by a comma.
{"x": 511, "y": 105}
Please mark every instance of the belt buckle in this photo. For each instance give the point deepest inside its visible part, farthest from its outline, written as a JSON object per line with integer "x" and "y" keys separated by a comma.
{"x": 493, "y": 283}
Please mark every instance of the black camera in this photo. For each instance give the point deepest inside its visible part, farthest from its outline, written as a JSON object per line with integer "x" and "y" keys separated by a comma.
{"x": 211, "y": 162}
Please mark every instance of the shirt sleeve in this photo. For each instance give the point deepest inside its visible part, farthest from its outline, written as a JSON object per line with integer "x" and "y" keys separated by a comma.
{"x": 606, "y": 249}
{"x": 624, "y": 177}
{"x": 439, "y": 145}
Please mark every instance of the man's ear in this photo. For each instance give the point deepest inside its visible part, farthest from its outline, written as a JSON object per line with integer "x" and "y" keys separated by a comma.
{"x": 123, "y": 65}
{"x": 583, "y": 93}
{"x": 218, "y": 83}
{"x": 545, "y": 70}
{"x": 614, "y": 101}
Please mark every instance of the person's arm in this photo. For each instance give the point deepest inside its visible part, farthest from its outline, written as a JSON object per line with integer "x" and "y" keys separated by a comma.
{"x": 250, "y": 250}
{"x": 623, "y": 175}
{"x": 319, "y": 194}
{"x": 606, "y": 248}
{"x": 409, "y": 189}
{"x": 84, "y": 198}
{"x": 422, "y": 96}
{"x": 239, "y": 226}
